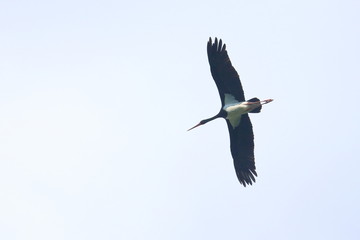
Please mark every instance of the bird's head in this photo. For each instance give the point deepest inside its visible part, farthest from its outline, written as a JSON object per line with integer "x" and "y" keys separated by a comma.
{"x": 202, "y": 122}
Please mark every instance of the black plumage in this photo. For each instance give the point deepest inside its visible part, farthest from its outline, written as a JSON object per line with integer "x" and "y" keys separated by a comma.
{"x": 234, "y": 109}
{"x": 225, "y": 76}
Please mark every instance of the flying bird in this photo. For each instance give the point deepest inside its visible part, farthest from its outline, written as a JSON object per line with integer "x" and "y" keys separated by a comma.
{"x": 234, "y": 109}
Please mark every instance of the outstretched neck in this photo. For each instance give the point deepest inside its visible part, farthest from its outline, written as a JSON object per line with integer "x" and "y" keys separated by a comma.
{"x": 202, "y": 122}
{"x": 210, "y": 119}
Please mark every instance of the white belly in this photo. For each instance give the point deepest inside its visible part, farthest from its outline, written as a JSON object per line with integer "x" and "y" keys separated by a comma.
{"x": 234, "y": 113}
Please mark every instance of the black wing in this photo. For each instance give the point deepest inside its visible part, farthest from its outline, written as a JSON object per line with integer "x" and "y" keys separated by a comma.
{"x": 242, "y": 150}
{"x": 226, "y": 78}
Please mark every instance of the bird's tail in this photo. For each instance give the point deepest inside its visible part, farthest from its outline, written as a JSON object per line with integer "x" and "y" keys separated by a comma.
{"x": 258, "y": 109}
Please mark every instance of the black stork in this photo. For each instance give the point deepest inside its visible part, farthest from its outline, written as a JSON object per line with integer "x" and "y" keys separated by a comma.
{"x": 234, "y": 109}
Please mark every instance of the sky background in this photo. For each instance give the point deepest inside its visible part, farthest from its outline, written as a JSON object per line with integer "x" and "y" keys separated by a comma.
{"x": 96, "y": 98}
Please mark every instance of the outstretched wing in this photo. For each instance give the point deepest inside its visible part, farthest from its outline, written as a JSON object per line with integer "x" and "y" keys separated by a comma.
{"x": 242, "y": 150}
{"x": 226, "y": 78}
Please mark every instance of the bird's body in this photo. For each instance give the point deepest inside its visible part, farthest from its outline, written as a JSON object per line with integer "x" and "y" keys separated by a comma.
{"x": 235, "y": 111}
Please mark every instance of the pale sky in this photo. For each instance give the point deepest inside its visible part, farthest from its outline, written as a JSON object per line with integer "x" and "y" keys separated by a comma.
{"x": 96, "y": 98}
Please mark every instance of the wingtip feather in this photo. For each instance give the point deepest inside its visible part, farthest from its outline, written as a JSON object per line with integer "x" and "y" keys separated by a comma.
{"x": 220, "y": 45}
{"x": 217, "y": 45}
{"x": 246, "y": 177}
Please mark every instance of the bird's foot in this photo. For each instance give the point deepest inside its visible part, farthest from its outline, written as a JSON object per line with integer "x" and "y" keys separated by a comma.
{"x": 266, "y": 101}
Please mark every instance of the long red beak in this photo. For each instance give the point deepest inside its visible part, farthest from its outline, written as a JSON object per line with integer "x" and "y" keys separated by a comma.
{"x": 199, "y": 124}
